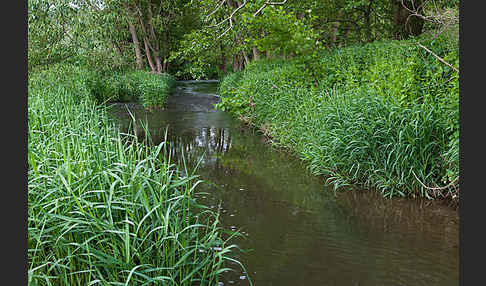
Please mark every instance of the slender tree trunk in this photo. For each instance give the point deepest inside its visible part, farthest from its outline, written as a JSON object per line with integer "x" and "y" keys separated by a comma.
{"x": 256, "y": 54}
{"x": 165, "y": 66}
{"x": 245, "y": 57}
{"x": 150, "y": 41}
{"x": 334, "y": 34}
{"x": 222, "y": 66}
{"x": 149, "y": 57}
{"x": 136, "y": 45}
{"x": 154, "y": 40}
{"x": 236, "y": 63}
{"x": 241, "y": 63}
{"x": 158, "y": 64}
{"x": 367, "y": 18}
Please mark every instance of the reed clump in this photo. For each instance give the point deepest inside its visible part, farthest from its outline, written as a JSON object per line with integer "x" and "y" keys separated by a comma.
{"x": 151, "y": 90}
{"x": 106, "y": 210}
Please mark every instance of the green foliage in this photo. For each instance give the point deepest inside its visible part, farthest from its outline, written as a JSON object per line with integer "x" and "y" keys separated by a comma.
{"x": 104, "y": 209}
{"x": 197, "y": 56}
{"x": 376, "y": 115}
{"x": 284, "y": 33}
{"x": 48, "y": 41}
{"x": 399, "y": 70}
{"x": 151, "y": 90}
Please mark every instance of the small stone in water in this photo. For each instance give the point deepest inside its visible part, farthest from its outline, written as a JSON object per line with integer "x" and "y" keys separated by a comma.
{"x": 220, "y": 283}
{"x": 242, "y": 277}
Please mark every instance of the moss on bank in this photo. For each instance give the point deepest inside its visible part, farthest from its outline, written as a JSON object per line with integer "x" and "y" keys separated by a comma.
{"x": 384, "y": 115}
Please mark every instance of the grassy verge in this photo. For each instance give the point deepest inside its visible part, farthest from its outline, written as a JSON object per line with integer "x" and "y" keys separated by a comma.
{"x": 105, "y": 210}
{"x": 382, "y": 116}
{"x": 151, "y": 90}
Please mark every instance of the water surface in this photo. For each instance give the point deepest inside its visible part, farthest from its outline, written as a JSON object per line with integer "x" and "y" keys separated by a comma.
{"x": 299, "y": 231}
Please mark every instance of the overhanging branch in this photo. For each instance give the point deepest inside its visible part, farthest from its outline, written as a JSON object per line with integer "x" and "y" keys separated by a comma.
{"x": 229, "y": 19}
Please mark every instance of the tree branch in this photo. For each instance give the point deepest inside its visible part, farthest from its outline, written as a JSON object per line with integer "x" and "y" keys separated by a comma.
{"x": 438, "y": 189}
{"x": 230, "y": 17}
{"x": 215, "y": 10}
{"x": 439, "y": 58}
{"x": 269, "y": 3}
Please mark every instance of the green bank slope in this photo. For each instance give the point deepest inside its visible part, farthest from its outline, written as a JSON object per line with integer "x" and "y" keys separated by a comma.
{"x": 381, "y": 116}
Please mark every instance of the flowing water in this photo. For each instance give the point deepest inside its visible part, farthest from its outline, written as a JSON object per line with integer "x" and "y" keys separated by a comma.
{"x": 297, "y": 230}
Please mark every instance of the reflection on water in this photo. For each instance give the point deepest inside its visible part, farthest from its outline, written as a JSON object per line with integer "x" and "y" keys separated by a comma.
{"x": 299, "y": 231}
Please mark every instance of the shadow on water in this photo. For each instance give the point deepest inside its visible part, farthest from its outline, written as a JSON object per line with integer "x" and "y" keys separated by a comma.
{"x": 298, "y": 230}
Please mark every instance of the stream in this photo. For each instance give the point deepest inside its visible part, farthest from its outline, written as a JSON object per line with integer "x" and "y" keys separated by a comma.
{"x": 296, "y": 229}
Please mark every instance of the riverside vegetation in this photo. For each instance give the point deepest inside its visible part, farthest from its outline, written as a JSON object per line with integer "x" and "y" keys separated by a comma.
{"x": 384, "y": 115}
{"x": 364, "y": 92}
{"x": 104, "y": 209}
{"x": 150, "y": 90}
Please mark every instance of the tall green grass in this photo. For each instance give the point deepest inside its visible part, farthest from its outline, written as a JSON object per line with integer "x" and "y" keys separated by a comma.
{"x": 104, "y": 209}
{"x": 381, "y": 116}
{"x": 151, "y": 90}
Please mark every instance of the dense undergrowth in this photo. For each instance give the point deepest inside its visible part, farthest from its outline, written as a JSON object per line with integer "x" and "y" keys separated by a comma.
{"x": 384, "y": 115}
{"x": 104, "y": 209}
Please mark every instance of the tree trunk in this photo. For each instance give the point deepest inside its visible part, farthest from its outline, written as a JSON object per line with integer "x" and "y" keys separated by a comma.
{"x": 147, "y": 53}
{"x": 245, "y": 57}
{"x": 403, "y": 28}
{"x": 240, "y": 63}
{"x": 256, "y": 55}
{"x": 335, "y": 31}
{"x": 136, "y": 45}
{"x": 222, "y": 66}
{"x": 367, "y": 18}
{"x": 165, "y": 66}
{"x": 145, "y": 40}
{"x": 154, "y": 40}
{"x": 235, "y": 63}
